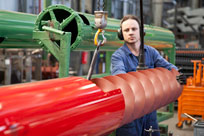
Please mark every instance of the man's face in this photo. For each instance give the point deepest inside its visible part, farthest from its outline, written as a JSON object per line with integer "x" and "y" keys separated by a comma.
{"x": 131, "y": 31}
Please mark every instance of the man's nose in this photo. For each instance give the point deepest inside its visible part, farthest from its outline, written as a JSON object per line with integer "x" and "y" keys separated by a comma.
{"x": 131, "y": 32}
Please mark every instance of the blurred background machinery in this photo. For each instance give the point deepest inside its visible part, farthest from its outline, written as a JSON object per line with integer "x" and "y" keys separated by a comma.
{"x": 23, "y": 59}
{"x": 192, "y": 98}
{"x": 183, "y": 17}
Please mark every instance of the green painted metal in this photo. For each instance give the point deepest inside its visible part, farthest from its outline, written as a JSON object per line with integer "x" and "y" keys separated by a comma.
{"x": 64, "y": 55}
{"x": 157, "y": 37}
{"x": 163, "y": 129}
{"x": 164, "y": 116}
{"x": 98, "y": 75}
{"x": 108, "y": 61}
{"x": 50, "y": 29}
{"x": 60, "y": 51}
{"x": 16, "y": 29}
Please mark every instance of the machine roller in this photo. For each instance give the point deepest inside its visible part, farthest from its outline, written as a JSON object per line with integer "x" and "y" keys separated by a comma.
{"x": 77, "y": 106}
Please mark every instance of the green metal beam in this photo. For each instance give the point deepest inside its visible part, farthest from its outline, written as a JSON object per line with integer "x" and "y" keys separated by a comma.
{"x": 62, "y": 52}
{"x": 161, "y": 116}
{"x": 108, "y": 61}
{"x": 16, "y": 29}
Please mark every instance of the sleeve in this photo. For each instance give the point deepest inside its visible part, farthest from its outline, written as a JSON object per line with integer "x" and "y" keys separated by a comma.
{"x": 159, "y": 61}
{"x": 117, "y": 64}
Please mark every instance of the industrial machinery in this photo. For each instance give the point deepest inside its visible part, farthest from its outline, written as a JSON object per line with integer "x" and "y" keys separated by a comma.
{"x": 77, "y": 106}
{"x": 192, "y": 98}
{"x": 60, "y": 30}
{"x": 19, "y": 29}
{"x": 184, "y": 57}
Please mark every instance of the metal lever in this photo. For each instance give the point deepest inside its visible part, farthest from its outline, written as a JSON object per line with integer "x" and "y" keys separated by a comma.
{"x": 93, "y": 61}
{"x": 191, "y": 117}
{"x": 150, "y": 130}
{"x": 98, "y": 44}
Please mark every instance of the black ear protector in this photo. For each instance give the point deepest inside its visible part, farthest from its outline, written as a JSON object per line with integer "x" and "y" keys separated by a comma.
{"x": 120, "y": 34}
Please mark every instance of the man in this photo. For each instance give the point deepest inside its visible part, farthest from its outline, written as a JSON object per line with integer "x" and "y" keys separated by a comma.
{"x": 125, "y": 59}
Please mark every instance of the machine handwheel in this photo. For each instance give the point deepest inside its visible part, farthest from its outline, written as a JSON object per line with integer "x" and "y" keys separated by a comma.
{"x": 61, "y": 18}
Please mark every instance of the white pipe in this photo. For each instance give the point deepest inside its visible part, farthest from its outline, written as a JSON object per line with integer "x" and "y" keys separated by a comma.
{"x": 83, "y": 6}
{"x": 194, "y": 4}
{"x": 158, "y": 10}
{"x": 125, "y": 7}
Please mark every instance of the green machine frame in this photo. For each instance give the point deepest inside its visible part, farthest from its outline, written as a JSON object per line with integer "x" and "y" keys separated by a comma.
{"x": 60, "y": 29}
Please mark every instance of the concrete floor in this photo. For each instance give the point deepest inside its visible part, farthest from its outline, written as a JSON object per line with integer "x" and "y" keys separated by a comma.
{"x": 185, "y": 131}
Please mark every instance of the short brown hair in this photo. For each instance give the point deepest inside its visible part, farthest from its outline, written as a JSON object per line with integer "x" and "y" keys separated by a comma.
{"x": 126, "y": 17}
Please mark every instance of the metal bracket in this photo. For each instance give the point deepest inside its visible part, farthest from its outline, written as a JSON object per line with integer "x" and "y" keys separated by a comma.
{"x": 61, "y": 52}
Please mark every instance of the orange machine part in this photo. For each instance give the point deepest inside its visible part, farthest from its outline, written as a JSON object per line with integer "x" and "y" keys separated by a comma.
{"x": 191, "y": 100}
{"x": 202, "y": 80}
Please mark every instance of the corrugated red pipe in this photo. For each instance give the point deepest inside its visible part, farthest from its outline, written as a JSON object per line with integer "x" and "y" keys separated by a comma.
{"x": 76, "y": 106}
{"x": 144, "y": 91}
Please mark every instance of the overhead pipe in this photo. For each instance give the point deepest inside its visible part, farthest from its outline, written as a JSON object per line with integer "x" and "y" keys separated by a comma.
{"x": 77, "y": 106}
{"x": 16, "y": 29}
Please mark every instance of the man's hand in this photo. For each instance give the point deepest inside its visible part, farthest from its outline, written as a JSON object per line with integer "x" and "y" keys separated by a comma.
{"x": 181, "y": 78}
